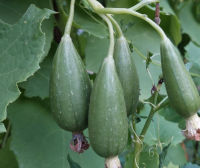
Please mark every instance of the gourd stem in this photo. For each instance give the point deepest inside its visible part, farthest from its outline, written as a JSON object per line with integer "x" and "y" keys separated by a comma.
{"x": 114, "y": 22}
{"x": 142, "y": 4}
{"x": 111, "y": 34}
{"x": 98, "y": 8}
{"x": 117, "y": 27}
{"x": 136, "y": 14}
{"x": 70, "y": 19}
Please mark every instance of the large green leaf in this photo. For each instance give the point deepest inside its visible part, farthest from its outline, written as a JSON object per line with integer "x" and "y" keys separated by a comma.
{"x": 193, "y": 56}
{"x": 193, "y": 53}
{"x": 165, "y": 6}
{"x": 96, "y": 51}
{"x": 175, "y": 155}
{"x": 7, "y": 157}
{"x": 37, "y": 141}
{"x": 189, "y": 23}
{"x": 38, "y": 84}
{"x": 137, "y": 34}
{"x": 22, "y": 46}
{"x": 170, "y": 114}
{"x": 160, "y": 131}
{"x": 12, "y": 10}
{"x": 169, "y": 22}
{"x": 148, "y": 158}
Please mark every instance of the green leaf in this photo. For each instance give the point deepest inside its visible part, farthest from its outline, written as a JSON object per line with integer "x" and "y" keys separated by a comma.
{"x": 149, "y": 157}
{"x": 175, "y": 155}
{"x": 2, "y": 128}
{"x": 193, "y": 56}
{"x": 189, "y": 23}
{"x": 163, "y": 154}
{"x": 169, "y": 23}
{"x": 7, "y": 157}
{"x": 95, "y": 52}
{"x": 37, "y": 141}
{"x": 129, "y": 160}
{"x": 170, "y": 114}
{"x": 166, "y": 8}
{"x": 193, "y": 53}
{"x": 141, "y": 35}
{"x": 11, "y": 11}
{"x": 20, "y": 58}
{"x": 72, "y": 163}
{"x": 89, "y": 23}
{"x": 38, "y": 84}
{"x": 160, "y": 130}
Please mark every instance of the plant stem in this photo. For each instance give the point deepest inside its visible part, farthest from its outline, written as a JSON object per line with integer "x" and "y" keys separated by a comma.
{"x": 136, "y": 154}
{"x": 70, "y": 18}
{"x": 114, "y": 22}
{"x": 138, "y": 143}
{"x": 137, "y": 147}
{"x": 98, "y": 8}
{"x": 147, "y": 123}
{"x": 117, "y": 27}
{"x": 142, "y": 4}
{"x": 111, "y": 34}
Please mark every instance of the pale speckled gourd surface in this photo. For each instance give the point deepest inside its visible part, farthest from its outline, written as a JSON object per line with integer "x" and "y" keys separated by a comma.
{"x": 108, "y": 126}
{"x": 182, "y": 92}
{"x": 127, "y": 73}
{"x": 69, "y": 88}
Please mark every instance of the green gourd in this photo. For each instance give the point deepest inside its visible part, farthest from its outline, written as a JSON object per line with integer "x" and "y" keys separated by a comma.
{"x": 127, "y": 73}
{"x": 107, "y": 121}
{"x": 182, "y": 92}
{"x": 69, "y": 88}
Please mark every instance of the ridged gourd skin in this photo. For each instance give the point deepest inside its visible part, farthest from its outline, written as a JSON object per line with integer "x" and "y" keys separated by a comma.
{"x": 127, "y": 74}
{"x": 108, "y": 125}
{"x": 70, "y": 88}
{"x": 182, "y": 92}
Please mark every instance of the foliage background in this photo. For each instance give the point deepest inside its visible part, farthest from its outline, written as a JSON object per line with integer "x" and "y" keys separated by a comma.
{"x": 29, "y": 34}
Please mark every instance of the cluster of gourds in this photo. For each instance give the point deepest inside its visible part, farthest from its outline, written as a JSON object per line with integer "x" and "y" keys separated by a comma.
{"x": 104, "y": 107}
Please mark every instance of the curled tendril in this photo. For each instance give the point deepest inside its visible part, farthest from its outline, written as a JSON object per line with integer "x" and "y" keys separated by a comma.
{"x": 79, "y": 142}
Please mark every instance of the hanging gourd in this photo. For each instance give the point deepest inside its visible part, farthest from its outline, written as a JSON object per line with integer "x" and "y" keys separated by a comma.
{"x": 70, "y": 89}
{"x": 108, "y": 127}
{"x": 127, "y": 73}
{"x": 107, "y": 121}
{"x": 182, "y": 92}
